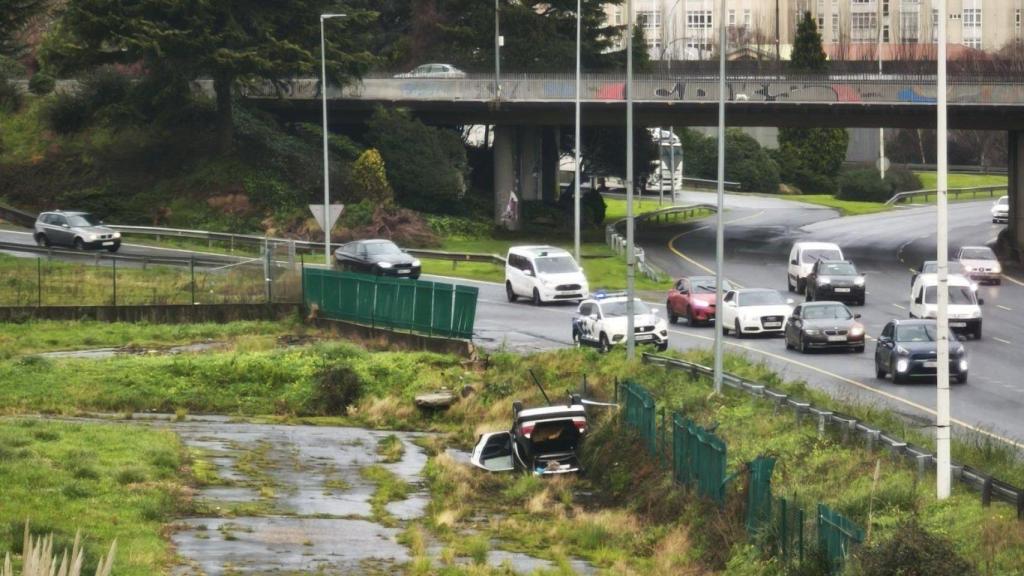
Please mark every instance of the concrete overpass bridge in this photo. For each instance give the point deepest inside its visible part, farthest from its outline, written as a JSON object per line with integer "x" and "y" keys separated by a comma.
{"x": 527, "y": 109}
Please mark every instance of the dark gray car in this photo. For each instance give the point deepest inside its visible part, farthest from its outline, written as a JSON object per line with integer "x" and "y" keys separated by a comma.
{"x": 824, "y": 325}
{"x": 79, "y": 230}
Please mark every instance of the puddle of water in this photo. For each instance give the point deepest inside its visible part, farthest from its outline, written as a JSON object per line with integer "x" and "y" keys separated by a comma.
{"x": 283, "y": 545}
{"x": 229, "y": 494}
{"x": 519, "y": 562}
{"x": 103, "y": 353}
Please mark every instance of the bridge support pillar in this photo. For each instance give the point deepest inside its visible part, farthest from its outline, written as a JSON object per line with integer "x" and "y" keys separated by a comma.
{"x": 507, "y": 196}
{"x": 1015, "y": 190}
{"x": 525, "y": 169}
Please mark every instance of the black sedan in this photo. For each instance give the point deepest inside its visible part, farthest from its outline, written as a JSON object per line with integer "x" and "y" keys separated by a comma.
{"x": 907, "y": 349}
{"x": 380, "y": 257}
{"x": 835, "y": 280}
{"x": 824, "y": 325}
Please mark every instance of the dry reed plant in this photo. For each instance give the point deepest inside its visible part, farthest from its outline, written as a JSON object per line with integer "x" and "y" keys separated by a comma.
{"x": 38, "y": 559}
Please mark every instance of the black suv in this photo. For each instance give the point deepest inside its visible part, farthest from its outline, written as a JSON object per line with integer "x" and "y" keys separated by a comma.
{"x": 835, "y": 280}
{"x": 80, "y": 230}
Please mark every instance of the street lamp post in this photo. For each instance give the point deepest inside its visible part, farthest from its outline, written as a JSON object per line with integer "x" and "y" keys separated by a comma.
{"x": 881, "y": 131}
{"x": 497, "y": 52}
{"x": 327, "y": 171}
{"x": 942, "y": 431}
{"x": 630, "y": 253}
{"x": 720, "y": 222}
{"x": 576, "y": 141}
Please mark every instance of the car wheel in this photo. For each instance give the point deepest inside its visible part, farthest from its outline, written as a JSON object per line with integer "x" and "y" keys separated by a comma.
{"x": 536, "y": 297}
{"x": 789, "y": 283}
{"x": 113, "y": 248}
{"x": 576, "y": 339}
{"x": 858, "y": 349}
{"x": 736, "y": 328}
{"x": 977, "y": 332}
{"x": 860, "y": 302}
{"x": 896, "y": 378}
{"x": 801, "y": 285}
{"x": 961, "y": 379}
{"x": 79, "y": 245}
{"x": 690, "y": 319}
{"x": 802, "y": 344}
{"x": 999, "y": 282}
{"x": 785, "y": 336}
{"x": 509, "y": 293}
{"x": 672, "y": 316}
{"x": 663, "y": 346}
{"x": 880, "y": 372}
{"x": 604, "y": 346}
{"x": 809, "y": 294}
{"x": 42, "y": 240}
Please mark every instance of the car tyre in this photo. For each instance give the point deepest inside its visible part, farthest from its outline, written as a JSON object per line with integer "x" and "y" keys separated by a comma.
{"x": 509, "y": 293}
{"x": 880, "y": 372}
{"x": 690, "y": 319}
{"x": 808, "y": 295}
{"x": 858, "y": 349}
{"x": 789, "y": 345}
{"x": 736, "y": 328}
{"x": 672, "y": 316}
{"x": 801, "y": 285}
{"x": 79, "y": 245}
{"x": 604, "y": 345}
{"x": 896, "y": 378}
{"x": 42, "y": 240}
{"x": 789, "y": 284}
{"x": 113, "y": 248}
{"x": 576, "y": 340}
{"x": 860, "y": 302}
{"x": 802, "y": 344}
{"x": 961, "y": 379}
{"x": 536, "y": 297}
{"x": 977, "y": 333}
{"x": 663, "y": 346}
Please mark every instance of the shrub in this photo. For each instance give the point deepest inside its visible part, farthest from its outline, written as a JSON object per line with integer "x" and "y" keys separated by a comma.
{"x": 902, "y": 180}
{"x": 749, "y": 164}
{"x": 10, "y": 97}
{"x": 130, "y": 475}
{"x": 369, "y": 181}
{"x": 912, "y": 551}
{"x": 863, "y": 185}
{"x": 41, "y": 83}
{"x": 337, "y": 387}
{"x": 459, "y": 227}
{"x": 67, "y": 113}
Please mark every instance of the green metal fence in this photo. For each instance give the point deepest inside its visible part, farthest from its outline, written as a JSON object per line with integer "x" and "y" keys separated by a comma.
{"x": 432, "y": 308}
{"x": 639, "y": 413}
{"x": 836, "y": 536}
{"x": 699, "y": 458}
{"x": 759, "y": 495}
{"x": 789, "y": 523}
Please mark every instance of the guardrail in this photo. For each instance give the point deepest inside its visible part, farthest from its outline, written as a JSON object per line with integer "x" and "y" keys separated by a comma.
{"x": 956, "y": 193}
{"x": 199, "y": 259}
{"x": 16, "y": 216}
{"x": 989, "y": 486}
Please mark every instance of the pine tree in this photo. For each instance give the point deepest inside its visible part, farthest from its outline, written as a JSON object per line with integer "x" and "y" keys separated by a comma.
{"x": 808, "y": 54}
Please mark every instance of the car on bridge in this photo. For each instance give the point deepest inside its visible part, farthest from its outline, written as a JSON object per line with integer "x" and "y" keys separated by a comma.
{"x": 824, "y": 325}
{"x": 754, "y": 311}
{"x": 964, "y": 308}
{"x": 433, "y": 71}
{"x": 802, "y": 257}
{"x": 79, "y": 230}
{"x": 379, "y": 257}
{"x": 602, "y": 322}
{"x": 1001, "y": 210}
{"x": 980, "y": 264}
{"x": 835, "y": 280}
{"x": 543, "y": 441}
{"x": 907, "y": 349}
{"x": 693, "y": 298}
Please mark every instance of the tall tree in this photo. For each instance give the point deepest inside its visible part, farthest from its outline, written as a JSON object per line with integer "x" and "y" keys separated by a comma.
{"x": 14, "y": 14}
{"x": 227, "y": 40}
{"x": 811, "y": 158}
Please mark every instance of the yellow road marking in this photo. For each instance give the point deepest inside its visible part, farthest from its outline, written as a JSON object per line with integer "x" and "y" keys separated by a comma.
{"x": 861, "y": 385}
{"x": 1014, "y": 280}
{"x": 691, "y": 260}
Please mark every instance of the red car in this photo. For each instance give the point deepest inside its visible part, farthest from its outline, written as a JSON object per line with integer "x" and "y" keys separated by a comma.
{"x": 693, "y": 297}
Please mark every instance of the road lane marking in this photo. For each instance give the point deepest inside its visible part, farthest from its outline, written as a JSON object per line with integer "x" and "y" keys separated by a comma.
{"x": 1014, "y": 280}
{"x": 861, "y": 385}
{"x": 691, "y": 260}
{"x": 998, "y": 339}
{"x": 900, "y": 307}
{"x": 1007, "y": 308}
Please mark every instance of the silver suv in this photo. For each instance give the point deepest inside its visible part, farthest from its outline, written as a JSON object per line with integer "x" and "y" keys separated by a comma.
{"x": 80, "y": 230}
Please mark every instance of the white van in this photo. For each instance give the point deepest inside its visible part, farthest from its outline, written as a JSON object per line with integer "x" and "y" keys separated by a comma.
{"x": 964, "y": 305}
{"x": 802, "y": 257}
{"x": 543, "y": 274}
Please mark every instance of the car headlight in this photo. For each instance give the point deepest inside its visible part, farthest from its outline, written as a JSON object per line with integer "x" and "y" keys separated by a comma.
{"x": 117, "y": 235}
{"x": 963, "y": 364}
{"x": 975, "y": 313}
{"x": 858, "y": 281}
{"x": 812, "y": 332}
{"x": 857, "y": 330}
{"x": 700, "y": 303}
{"x": 902, "y": 364}
{"x": 416, "y": 263}
{"x": 997, "y": 268}
{"x": 384, "y": 265}
{"x": 90, "y": 237}
{"x": 824, "y": 280}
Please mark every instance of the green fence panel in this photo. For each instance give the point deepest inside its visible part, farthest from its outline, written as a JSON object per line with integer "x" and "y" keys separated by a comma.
{"x": 680, "y": 470}
{"x": 423, "y": 314}
{"x": 836, "y": 536}
{"x": 759, "y": 495}
{"x": 366, "y": 289}
{"x": 789, "y": 526}
{"x": 348, "y": 289}
{"x": 405, "y": 305}
{"x": 386, "y": 302}
{"x": 464, "y": 314}
{"x": 442, "y": 303}
{"x": 640, "y": 413}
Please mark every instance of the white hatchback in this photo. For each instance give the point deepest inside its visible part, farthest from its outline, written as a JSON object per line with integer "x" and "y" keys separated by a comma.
{"x": 543, "y": 274}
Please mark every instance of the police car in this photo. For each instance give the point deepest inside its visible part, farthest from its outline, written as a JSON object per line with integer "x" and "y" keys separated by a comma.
{"x": 601, "y": 322}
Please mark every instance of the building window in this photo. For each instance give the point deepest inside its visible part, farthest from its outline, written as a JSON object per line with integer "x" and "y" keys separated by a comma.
{"x": 909, "y": 27}
{"x": 699, "y": 19}
{"x": 972, "y": 27}
{"x": 935, "y": 25}
{"x": 746, "y": 18}
{"x": 618, "y": 16}
{"x": 1016, "y": 18}
{"x": 835, "y": 27}
{"x": 732, "y": 18}
{"x": 649, "y": 19}
{"x": 863, "y": 27}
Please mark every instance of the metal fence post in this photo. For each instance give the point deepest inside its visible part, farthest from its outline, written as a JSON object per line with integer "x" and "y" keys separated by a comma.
{"x": 302, "y": 279}
{"x": 39, "y": 281}
{"x": 266, "y": 268}
{"x": 114, "y": 283}
{"x": 192, "y": 273}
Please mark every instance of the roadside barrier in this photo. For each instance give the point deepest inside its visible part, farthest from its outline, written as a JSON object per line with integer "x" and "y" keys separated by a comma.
{"x": 955, "y": 193}
{"x": 432, "y": 308}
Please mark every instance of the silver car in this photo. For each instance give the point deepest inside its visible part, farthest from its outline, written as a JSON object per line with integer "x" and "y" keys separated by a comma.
{"x": 433, "y": 71}
{"x": 79, "y": 230}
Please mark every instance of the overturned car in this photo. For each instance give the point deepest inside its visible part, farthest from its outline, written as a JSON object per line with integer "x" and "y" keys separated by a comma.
{"x": 543, "y": 441}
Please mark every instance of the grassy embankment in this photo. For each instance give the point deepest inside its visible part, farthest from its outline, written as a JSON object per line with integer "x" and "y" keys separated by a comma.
{"x": 635, "y": 520}
{"x": 604, "y": 268}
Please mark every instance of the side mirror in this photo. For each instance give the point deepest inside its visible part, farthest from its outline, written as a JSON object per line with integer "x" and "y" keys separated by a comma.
{"x": 789, "y": 301}
{"x": 884, "y": 339}
{"x": 856, "y": 316}
{"x": 65, "y": 225}
{"x": 528, "y": 272}
{"x": 593, "y": 316}
{"x": 793, "y": 262}
{"x": 981, "y": 301}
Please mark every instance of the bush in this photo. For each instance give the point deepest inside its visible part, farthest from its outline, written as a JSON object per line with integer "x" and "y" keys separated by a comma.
{"x": 863, "y": 185}
{"x": 460, "y": 227}
{"x": 912, "y": 551}
{"x": 749, "y": 164}
{"x": 67, "y": 113}
{"x": 337, "y": 387}
{"x": 10, "y": 97}
{"x": 902, "y": 180}
{"x": 41, "y": 84}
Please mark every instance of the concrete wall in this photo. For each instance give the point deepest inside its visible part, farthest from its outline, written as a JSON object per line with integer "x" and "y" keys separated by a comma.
{"x": 393, "y": 340}
{"x": 1015, "y": 190}
{"x": 161, "y": 314}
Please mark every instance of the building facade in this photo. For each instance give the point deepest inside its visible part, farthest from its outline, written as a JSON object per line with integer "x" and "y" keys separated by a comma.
{"x": 850, "y": 29}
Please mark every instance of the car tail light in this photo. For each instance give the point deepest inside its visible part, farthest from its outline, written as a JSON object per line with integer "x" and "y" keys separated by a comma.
{"x": 527, "y": 429}
{"x": 581, "y": 424}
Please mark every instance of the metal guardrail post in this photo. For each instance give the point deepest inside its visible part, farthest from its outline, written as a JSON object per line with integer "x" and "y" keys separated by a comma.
{"x": 114, "y": 280}
{"x": 39, "y": 282}
{"x": 192, "y": 273}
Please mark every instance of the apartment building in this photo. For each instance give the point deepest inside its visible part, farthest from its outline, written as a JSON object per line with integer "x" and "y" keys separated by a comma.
{"x": 688, "y": 29}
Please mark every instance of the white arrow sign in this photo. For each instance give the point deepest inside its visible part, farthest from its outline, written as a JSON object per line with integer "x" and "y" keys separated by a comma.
{"x": 318, "y": 213}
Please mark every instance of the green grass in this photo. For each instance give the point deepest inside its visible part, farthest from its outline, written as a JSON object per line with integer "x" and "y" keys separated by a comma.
{"x": 109, "y": 480}
{"x": 928, "y": 180}
{"x": 23, "y": 137}
{"x": 615, "y": 208}
{"x": 389, "y": 488}
{"x": 49, "y": 335}
{"x": 845, "y": 207}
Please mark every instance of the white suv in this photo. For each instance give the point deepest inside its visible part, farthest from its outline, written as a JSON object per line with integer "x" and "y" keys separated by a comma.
{"x": 602, "y": 323}
{"x": 543, "y": 274}
{"x": 964, "y": 305}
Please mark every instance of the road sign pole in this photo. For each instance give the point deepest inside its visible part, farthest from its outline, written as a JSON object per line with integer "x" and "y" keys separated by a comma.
{"x": 630, "y": 254}
{"x": 576, "y": 141}
{"x": 719, "y": 223}
{"x": 942, "y": 431}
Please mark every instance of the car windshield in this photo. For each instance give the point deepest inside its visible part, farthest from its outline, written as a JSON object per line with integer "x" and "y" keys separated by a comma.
{"x": 706, "y": 285}
{"x": 381, "y": 249}
{"x": 619, "y": 308}
{"x": 916, "y": 333}
{"x": 760, "y": 298}
{"x": 83, "y": 220}
{"x": 1004, "y": 201}
{"x": 831, "y": 312}
{"x": 556, "y": 265}
{"x": 958, "y": 295}
{"x": 977, "y": 254}
{"x": 931, "y": 267}
{"x": 813, "y": 255}
{"x": 838, "y": 269}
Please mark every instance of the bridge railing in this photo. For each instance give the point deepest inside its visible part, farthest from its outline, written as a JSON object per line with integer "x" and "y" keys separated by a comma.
{"x": 927, "y": 196}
